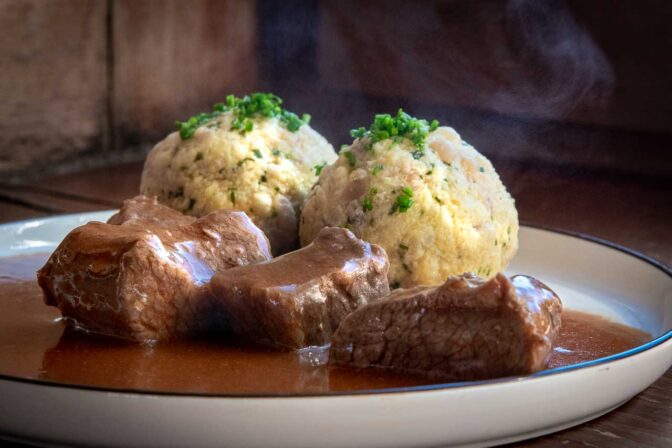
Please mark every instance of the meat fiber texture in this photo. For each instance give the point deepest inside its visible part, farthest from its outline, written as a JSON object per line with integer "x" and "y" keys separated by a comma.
{"x": 299, "y": 299}
{"x": 465, "y": 329}
{"x": 141, "y": 276}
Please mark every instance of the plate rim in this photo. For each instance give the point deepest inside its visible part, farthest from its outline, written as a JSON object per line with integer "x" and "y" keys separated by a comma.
{"x": 429, "y": 388}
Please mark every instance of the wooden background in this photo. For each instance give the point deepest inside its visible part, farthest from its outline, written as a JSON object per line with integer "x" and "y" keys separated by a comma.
{"x": 585, "y": 85}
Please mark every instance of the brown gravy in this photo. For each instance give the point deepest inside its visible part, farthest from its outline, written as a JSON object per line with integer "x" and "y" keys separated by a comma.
{"x": 35, "y": 344}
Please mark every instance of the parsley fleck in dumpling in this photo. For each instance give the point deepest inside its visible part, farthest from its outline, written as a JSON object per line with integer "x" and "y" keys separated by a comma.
{"x": 247, "y": 154}
{"x": 431, "y": 200}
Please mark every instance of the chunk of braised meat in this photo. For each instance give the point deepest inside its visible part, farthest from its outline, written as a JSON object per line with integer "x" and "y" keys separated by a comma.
{"x": 142, "y": 277}
{"x": 299, "y": 299}
{"x": 465, "y": 329}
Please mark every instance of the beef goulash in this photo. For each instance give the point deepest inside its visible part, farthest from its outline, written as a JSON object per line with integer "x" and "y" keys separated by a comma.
{"x": 466, "y": 328}
{"x": 140, "y": 276}
{"x": 299, "y": 299}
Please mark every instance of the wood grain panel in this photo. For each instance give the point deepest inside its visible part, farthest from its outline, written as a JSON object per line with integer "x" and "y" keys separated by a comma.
{"x": 175, "y": 58}
{"x": 11, "y": 211}
{"x": 53, "y": 84}
{"x": 52, "y": 202}
{"x": 524, "y": 80}
{"x": 616, "y": 208}
{"x": 107, "y": 186}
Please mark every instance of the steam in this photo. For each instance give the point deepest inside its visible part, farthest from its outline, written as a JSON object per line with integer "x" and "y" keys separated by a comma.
{"x": 527, "y": 57}
{"x": 570, "y": 68}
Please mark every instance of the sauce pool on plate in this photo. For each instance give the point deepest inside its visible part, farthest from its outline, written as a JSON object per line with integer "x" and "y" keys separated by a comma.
{"x": 36, "y": 344}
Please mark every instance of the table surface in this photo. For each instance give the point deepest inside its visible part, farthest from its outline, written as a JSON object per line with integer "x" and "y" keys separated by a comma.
{"x": 633, "y": 212}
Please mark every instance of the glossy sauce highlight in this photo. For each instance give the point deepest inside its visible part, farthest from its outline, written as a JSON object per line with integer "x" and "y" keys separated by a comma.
{"x": 36, "y": 344}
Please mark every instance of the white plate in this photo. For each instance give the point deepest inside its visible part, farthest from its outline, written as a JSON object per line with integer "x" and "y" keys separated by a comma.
{"x": 588, "y": 275}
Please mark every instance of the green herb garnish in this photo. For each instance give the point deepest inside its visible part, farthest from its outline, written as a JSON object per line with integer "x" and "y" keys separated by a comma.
{"x": 357, "y": 133}
{"x": 352, "y": 160}
{"x": 244, "y": 109}
{"x": 367, "y": 203}
{"x": 386, "y": 126}
{"x": 188, "y": 128}
{"x": 377, "y": 169}
{"x": 318, "y": 168}
{"x": 264, "y": 105}
{"x": 232, "y": 195}
{"x": 403, "y": 202}
{"x": 257, "y": 154}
